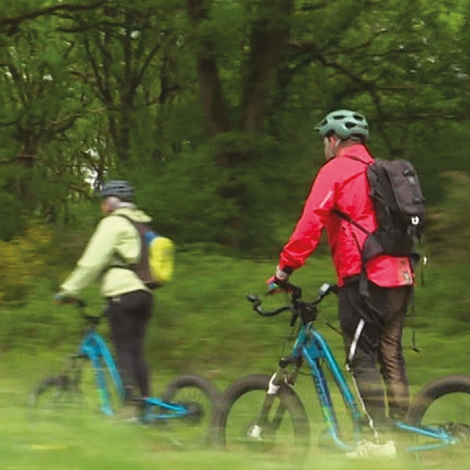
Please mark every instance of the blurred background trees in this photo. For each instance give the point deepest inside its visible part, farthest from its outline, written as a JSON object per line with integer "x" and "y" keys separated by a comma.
{"x": 208, "y": 107}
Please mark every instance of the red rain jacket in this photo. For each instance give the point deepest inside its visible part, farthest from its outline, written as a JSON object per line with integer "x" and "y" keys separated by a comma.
{"x": 342, "y": 184}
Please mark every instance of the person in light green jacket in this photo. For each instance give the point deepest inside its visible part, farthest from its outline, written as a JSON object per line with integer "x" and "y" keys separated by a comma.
{"x": 114, "y": 246}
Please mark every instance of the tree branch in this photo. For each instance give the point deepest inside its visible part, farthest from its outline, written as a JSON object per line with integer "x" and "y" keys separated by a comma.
{"x": 12, "y": 24}
{"x": 365, "y": 85}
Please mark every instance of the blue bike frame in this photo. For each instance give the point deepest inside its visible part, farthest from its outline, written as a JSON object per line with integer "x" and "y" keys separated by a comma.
{"x": 94, "y": 347}
{"x": 311, "y": 345}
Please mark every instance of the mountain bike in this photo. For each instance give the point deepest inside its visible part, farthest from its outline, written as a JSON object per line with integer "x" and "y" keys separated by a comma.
{"x": 91, "y": 379}
{"x": 264, "y": 413}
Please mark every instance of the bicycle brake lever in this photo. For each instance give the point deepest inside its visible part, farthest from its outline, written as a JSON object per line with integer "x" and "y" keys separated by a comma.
{"x": 335, "y": 289}
{"x": 326, "y": 288}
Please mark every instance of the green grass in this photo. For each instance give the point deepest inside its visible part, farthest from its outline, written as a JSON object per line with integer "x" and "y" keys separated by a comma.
{"x": 202, "y": 324}
{"x": 78, "y": 440}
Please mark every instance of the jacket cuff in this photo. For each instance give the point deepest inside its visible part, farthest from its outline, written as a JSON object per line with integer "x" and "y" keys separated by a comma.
{"x": 287, "y": 269}
{"x": 283, "y": 274}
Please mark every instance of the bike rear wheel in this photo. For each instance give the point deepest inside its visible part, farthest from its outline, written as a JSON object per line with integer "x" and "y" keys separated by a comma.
{"x": 282, "y": 430}
{"x": 200, "y": 397}
{"x": 443, "y": 404}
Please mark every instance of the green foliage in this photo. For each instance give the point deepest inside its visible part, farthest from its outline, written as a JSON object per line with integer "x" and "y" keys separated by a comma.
{"x": 9, "y": 210}
{"x": 21, "y": 260}
{"x": 203, "y": 322}
{"x": 222, "y": 203}
{"x": 449, "y": 229}
{"x": 117, "y": 90}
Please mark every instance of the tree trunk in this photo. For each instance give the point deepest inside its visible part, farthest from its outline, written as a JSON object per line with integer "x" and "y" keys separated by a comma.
{"x": 269, "y": 34}
{"x": 211, "y": 91}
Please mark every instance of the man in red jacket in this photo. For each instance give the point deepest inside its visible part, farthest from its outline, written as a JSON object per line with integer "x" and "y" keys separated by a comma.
{"x": 372, "y": 325}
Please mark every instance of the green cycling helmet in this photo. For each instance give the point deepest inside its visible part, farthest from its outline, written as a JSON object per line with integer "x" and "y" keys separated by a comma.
{"x": 120, "y": 189}
{"x": 345, "y": 124}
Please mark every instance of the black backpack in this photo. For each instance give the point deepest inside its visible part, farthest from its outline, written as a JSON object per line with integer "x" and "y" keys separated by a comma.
{"x": 399, "y": 206}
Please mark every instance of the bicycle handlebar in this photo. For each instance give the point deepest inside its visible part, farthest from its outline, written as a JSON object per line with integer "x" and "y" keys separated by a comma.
{"x": 306, "y": 310}
{"x": 81, "y": 303}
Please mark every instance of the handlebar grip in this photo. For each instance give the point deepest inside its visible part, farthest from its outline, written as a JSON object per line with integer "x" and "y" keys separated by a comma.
{"x": 64, "y": 299}
{"x": 253, "y": 298}
{"x": 255, "y": 302}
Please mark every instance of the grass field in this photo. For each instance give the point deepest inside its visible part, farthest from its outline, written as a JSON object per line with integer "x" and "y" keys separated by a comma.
{"x": 202, "y": 325}
{"x": 85, "y": 440}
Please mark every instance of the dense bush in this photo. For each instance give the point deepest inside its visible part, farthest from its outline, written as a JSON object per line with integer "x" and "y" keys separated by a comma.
{"x": 22, "y": 259}
{"x": 237, "y": 203}
{"x": 449, "y": 224}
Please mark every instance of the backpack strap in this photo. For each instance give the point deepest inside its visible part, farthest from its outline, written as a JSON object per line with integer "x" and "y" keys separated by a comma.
{"x": 372, "y": 246}
{"x": 135, "y": 267}
{"x": 363, "y": 289}
{"x": 124, "y": 265}
{"x": 344, "y": 216}
{"x": 363, "y": 281}
{"x": 349, "y": 219}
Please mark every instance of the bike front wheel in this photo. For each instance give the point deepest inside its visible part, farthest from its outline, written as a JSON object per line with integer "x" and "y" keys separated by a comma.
{"x": 250, "y": 419}
{"x": 443, "y": 406}
{"x": 84, "y": 384}
{"x": 53, "y": 393}
{"x": 199, "y": 397}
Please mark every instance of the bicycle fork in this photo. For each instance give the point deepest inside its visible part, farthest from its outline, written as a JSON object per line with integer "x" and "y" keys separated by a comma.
{"x": 280, "y": 377}
{"x": 76, "y": 376}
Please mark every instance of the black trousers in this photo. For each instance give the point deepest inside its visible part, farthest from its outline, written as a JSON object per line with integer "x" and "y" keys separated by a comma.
{"x": 128, "y": 318}
{"x": 373, "y": 329}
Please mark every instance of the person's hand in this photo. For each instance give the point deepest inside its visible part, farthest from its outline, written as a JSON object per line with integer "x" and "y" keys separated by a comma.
{"x": 62, "y": 298}
{"x": 275, "y": 283}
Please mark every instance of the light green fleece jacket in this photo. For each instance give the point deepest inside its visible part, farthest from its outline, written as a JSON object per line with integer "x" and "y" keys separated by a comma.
{"x": 115, "y": 242}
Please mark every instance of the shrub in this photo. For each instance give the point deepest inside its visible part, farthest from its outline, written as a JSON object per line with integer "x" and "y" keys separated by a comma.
{"x": 449, "y": 224}
{"x": 21, "y": 260}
